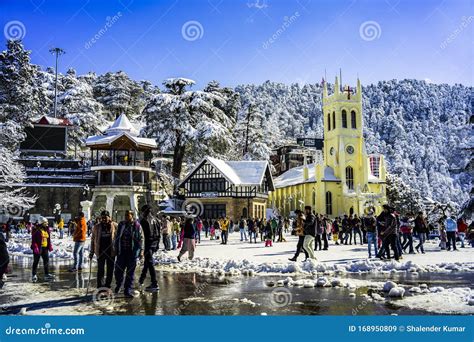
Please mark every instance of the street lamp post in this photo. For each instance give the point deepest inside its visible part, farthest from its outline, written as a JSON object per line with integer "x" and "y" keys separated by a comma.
{"x": 57, "y": 52}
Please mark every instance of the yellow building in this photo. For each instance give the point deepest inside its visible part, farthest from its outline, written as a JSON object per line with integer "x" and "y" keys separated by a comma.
{"x": 346, "y": 180}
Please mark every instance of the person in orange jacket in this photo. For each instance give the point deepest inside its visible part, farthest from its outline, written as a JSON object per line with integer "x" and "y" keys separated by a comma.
{"x": 79, "y": 238}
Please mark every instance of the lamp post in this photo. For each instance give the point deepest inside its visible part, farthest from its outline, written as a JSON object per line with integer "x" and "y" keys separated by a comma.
{"x": 57, "y": 52}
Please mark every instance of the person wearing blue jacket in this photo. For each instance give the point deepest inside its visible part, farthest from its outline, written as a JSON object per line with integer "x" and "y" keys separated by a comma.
{"x": 451, "y": 230}
{"x": 129, "y": 247}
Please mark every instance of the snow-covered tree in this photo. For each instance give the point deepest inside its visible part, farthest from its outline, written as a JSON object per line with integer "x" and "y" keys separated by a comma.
{"x": 190, "y": 123}
{"x": 19, "y": 96}
{"x": 401, "y": 196}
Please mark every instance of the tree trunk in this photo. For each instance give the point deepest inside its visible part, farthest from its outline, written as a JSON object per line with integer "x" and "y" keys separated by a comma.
{"x": 178, "y": 156}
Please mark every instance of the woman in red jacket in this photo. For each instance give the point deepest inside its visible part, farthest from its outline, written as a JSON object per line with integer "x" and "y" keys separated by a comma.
{"x": 41, "y": 246}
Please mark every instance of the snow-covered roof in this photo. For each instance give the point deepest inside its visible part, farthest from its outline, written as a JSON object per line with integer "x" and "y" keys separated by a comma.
{"x": 121, "y": 127}
{"x": 294, "y": 176}
{"x": 49, "y": 120}
{"x": 240, "y": 172}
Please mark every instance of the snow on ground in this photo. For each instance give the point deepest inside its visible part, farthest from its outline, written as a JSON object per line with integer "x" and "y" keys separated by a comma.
{"x": 459, "y": 300}
{"x": 238, "y": 258}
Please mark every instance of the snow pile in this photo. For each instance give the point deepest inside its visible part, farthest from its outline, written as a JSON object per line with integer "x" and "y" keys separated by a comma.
{"x": 457, "y": 300}
{"x": 310, "y": 267}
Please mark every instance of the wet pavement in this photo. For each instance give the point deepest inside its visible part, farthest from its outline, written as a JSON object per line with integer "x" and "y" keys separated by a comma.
{"x": 198, "y": 294}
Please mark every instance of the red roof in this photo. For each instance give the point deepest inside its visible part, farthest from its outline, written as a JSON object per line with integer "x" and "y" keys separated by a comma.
{"x": 49, "y": 120}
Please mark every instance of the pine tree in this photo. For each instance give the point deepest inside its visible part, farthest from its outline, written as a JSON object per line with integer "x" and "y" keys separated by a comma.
{"x": 190, "y": 123}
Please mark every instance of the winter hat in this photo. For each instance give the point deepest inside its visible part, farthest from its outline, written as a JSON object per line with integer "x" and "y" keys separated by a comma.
{"x": 42, "y": 220}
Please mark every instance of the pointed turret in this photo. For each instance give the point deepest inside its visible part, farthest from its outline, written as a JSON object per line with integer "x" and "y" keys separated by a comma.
{"x": 336, "y": 87}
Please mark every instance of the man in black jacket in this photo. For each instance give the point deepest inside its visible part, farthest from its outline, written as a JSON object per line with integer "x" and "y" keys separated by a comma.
{"x": 151, "y": 232}
{"x": 309, "y": 232}
{"x": 389, "y": 233}
{"x": 4, "y": 258}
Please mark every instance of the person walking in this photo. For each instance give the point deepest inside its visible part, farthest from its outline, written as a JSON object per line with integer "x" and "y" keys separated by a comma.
{"x": 151, "y": 234}
{"x": 269, "y": 234}
{"x": 318, "y": 245}
{"x": 346, "y": 230}
{"x": 41, "y": 246}
{"x": 371, "y": 228}
{"x": 451, "y": 230}
{"x": 327, "y": 225}
{"x": 242, "y": 225}
{"x": 79, "y": 239}
{"x": 335, "y": 230}
{"x": 356, "y": 228}
{"x": 442, "y": 234}
{"x": 389, "y": 233}
{"x": 166, "y": 227}
{"x": 309, "y": 232}
{"x": 174, "y": 233}
{"x": 61, "y": 228}
{"x": 298, "y": 224}
{"x": 252, "y": 228}
{"x": 4, "y": 259}
{"x": 102, "y": 245}
{"x": 189, "y": 243}
{"x": 462, "y": 229}
{"x": 280, "y": 224}
{"x": 407, "y": 233}
{"x": 129, "y": 246}
{"x": 421, "y": 228}
{"x": 206, "y": 224}
{"x": 198, "y": 229}
{"x": 225, "y": 230}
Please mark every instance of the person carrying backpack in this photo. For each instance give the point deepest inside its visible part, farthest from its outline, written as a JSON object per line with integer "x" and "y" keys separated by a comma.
{"x": 151, "y": 233}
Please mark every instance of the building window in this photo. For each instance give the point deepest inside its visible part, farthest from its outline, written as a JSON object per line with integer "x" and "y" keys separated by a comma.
{"x": 350, "y": 178}
{"x": 328, "y": 203}
{"x": 344, "y": 119}
{"x": 353, "y": 119}
{"x": 333, "y": 120}
{"x": 214, "y": 211}
{"x": 375, "y": 165}
{"x": 314, "y": 198}
{"x": 329, "y": 121}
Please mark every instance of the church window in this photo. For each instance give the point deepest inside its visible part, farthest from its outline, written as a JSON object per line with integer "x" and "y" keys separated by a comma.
{"x": 353, "y": 119}
{"x": 333, "y": 120}
{"x": 350, "y": 178}
{"x": 314, "y": 198}
{"x": 329, "y": 121}
{"x": 328, "y": 203}
{"x": 344, "y": 119}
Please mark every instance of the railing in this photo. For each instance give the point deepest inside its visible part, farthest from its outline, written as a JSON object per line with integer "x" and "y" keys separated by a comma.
{"x": 121, "y": 162}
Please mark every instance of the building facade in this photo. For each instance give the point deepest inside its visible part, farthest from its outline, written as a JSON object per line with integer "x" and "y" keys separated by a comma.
{"x": 346, "y": 180}
{"x": 217, "y": 188}
{"x": 121, "y": 161}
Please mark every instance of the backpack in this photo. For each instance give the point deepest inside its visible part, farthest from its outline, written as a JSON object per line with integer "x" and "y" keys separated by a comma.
{"x": 155, "y": 230}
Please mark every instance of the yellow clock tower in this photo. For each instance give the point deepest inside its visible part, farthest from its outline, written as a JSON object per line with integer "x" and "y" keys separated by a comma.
{"x": 346, "y": 180}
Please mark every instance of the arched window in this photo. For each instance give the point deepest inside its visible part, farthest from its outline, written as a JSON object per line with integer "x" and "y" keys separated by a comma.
{"x": 344, "y": 119}
{"x": 314, "y": 198}
{"x": 328, "y": 203}
{"x": 353, "y": 119}
{"x": 333, "y": 120}
{"x": 329, "y": 121}
{"x": 350, "y": 178}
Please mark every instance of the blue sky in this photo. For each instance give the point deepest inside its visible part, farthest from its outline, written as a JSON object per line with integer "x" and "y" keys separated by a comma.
{"x": 251, "y": 41}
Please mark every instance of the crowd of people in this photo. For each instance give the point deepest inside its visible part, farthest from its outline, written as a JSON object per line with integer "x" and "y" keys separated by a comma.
{"x": 118, "y": 247}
